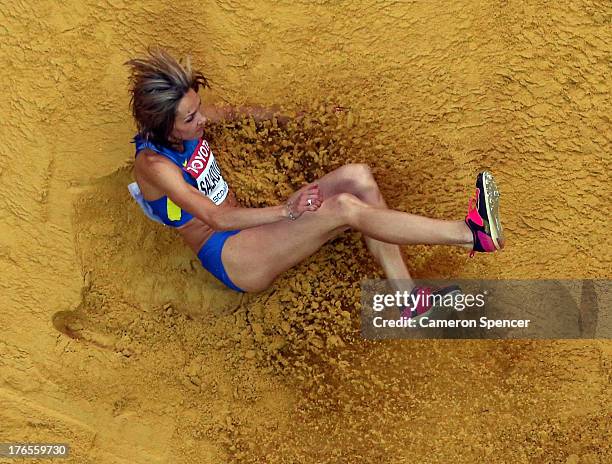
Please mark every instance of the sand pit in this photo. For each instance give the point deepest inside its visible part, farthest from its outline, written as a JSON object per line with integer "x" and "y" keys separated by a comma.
{"x": 118, "y": 343}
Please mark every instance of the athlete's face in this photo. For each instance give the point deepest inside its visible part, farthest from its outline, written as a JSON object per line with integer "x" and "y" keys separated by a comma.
{"x": 189, "y": 121}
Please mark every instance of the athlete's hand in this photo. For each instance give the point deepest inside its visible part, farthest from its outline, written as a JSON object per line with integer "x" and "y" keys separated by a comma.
{"x": 308, "y": 198}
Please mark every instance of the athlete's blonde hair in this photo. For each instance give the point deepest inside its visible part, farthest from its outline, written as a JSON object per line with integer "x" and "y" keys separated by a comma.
{"x": 157, "y": 84}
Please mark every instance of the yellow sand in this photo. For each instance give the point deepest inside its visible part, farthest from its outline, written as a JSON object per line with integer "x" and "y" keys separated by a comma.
{"x": 115, "y": 341}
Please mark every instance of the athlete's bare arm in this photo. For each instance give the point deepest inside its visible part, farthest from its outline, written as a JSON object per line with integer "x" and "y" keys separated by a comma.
{"x": 168, "y": 178}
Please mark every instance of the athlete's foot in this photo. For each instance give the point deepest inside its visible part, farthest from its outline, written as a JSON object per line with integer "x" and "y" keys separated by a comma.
{"x": 483, "y": 216}
{"x": 425, "y": 301}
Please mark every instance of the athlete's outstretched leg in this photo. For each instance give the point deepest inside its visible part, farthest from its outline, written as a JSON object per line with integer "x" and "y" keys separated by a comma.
{"x": 256, "y": 256}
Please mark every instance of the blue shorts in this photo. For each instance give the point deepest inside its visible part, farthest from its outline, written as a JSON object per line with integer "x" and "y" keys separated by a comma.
{"x": 210, "y": 257}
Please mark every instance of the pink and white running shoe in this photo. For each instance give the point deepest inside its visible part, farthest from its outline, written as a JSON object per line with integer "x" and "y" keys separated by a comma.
{"x": 483, "y": 216}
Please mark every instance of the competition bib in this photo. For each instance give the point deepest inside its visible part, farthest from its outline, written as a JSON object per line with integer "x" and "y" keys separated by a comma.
{"x": 203, "y": 167}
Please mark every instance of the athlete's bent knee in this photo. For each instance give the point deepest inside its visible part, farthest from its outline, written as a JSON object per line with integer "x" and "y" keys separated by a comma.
{"x": 362, "y": 169}
{"x": 356, "y": 170}
{"x": 361, "y": 178}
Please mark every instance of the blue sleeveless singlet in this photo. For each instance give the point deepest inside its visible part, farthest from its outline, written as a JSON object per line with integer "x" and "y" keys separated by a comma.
{"x": 200, "y": 169}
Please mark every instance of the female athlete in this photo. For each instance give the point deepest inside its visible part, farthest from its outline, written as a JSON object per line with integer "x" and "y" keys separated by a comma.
{"x": 179, "y": 183}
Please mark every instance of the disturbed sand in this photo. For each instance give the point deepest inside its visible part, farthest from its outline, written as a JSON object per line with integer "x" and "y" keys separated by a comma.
{"x": 117, "y": 342}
